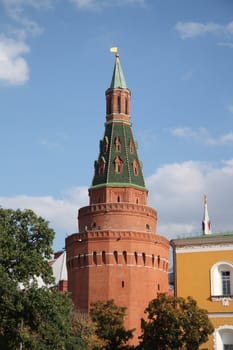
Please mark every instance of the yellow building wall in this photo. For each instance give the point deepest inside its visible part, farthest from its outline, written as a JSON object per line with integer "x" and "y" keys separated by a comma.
{"x": 192, "y": 270}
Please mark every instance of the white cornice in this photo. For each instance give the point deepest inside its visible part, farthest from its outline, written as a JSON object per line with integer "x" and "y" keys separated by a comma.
{"x": 204, "y": 248}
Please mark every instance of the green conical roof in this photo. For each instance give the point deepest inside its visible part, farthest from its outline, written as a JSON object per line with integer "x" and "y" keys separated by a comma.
{"x": 118, "y": 79}
{"x": 126, "y": 154}
{"x": 118, "y": 163}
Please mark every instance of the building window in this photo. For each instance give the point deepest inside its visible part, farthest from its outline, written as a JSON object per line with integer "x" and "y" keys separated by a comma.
{"x": 118, "y": 165}
{"x": 126, "y": 106}
{"x": 105, "y": 144}
{"x": 135, "y": 168}
{"x": 136, "y": 257}
{"x": 115, "y": 256}
{"x": 221, "y": 276}
{"x": 102, "y": 163}
{"x": 125, "y": 256}
{"x": 118, "y": 104}
{"x": 117, "y": 144}
{"x": 144, "y": 258}
{"x": 131, "y": 146}
{"x": 122, "y": 284}
{"x": 103, "y": 257}
{"x": 95, "y": 258}
{"x": 153, "y": 260}
{"x": 226, "y": 282}
{"x": 223, "y": 338}
{"x": 118, "y": 199}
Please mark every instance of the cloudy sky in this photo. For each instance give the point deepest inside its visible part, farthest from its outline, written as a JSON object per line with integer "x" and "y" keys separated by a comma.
{"x": 55, "y": 66}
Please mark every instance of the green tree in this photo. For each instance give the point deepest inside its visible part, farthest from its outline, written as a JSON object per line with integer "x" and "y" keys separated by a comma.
{"x": 109, "y": 320}
{"x": 31, "y": 317}
{"x": 174, "y": 324}
{"x": 83, "y": 334}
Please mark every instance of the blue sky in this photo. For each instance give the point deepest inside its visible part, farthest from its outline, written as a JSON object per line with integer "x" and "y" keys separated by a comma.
{"x": 55, "y": 65}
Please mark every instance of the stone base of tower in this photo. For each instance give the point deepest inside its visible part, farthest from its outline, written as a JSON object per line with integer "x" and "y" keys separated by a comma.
{"x": 128, "y": 267}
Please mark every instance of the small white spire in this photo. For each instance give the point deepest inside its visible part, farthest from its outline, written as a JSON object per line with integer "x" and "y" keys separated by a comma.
{"x": 206, "y": 229}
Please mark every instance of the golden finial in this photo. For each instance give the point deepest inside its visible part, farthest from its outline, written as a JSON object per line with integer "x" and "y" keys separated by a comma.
{"x": 115, "y": 50}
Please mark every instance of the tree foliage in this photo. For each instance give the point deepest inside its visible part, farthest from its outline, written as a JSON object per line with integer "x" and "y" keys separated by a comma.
{"x": 83, "y": 334}
{"x": 37, "y": 318}
{"x": 109, "y": 320}
{"x": 174, "y": 324}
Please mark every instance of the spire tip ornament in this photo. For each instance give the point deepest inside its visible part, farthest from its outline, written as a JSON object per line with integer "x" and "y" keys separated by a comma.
{"x": 114, "y": 49}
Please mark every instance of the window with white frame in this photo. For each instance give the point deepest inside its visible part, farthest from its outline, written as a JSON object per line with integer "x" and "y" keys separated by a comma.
{"x": 222, "y": 279}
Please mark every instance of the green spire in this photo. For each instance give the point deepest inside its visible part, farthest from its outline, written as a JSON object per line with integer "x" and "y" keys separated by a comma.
{"x": 118, "y": 79}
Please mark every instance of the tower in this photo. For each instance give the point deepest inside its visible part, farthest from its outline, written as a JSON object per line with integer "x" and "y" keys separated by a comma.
{"x": 206, "y": 229}
{"x": 117, "y": 254}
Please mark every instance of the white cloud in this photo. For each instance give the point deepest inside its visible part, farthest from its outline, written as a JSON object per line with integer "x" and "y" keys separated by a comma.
{"x": 13, "y": 67}
{"x": 202, "y": 135}
{"x": 188, "y": 30}
{"x": 176, "y": 191}
{"x": 99, "y": 4}
{"x": 61, "y": 213}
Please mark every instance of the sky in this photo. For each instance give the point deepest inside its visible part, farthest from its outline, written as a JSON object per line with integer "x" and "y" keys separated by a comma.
{"x": 55, "y": 66}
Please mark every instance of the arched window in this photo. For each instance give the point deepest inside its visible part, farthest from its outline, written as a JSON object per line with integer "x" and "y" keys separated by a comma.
{"x": 135, "y": 167}
{"x": 118, "y": 199}
{"x": 102, "y": 164}
{"x": 103, "y": 257}
{"x": 108, "y": 105}
{"x": 126, "y": 105}
{"x": 117, "y": 144}
{"x": 95, "y": 258}
{"x": 118, "y": 104}
{"x": 105, "y": 144}
{"x": 221, "y": 275}
{"x": 136, "y": 257}
{"x": 118, "y": 165}
{"x": 158, "y": 261}
{"x": 223, "y": 338}
{"x": 131, "y": 146}
{"x": 125, "y": 256}
{"x": 144, "y": 258}
{"x": 115, "y": 256}
{"x": 153, "y": 260}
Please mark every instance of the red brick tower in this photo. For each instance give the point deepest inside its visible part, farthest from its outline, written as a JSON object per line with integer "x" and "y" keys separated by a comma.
{"x": 117, "y": 253}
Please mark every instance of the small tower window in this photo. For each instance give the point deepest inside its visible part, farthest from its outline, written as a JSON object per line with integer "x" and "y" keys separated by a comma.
{"x": 95, "y": 258}
{"x": 131, "y": 146}
{"x": 103, "y": 257}
{"x": 105, "y": 144}
{"x": 125, "y": 256}
{"x": 115, "y": 256}
{"x": 144, "y": 258}
{"x": 122, "y": 284}
{"x": 117, "y": 144}
{"x": 126, "y": 106}
{"x": 108, "y": 105}
{"x": 118, "y": 199}
{"x": 102, "y": 163}
{"x": 158, "y": 261}
{"x": 118, "y": 164}
{"x": 135, "y": 167}
{"x": 118, "y": 104}
{"x": 153, "y": 260}
{"x": 136, "y": 257}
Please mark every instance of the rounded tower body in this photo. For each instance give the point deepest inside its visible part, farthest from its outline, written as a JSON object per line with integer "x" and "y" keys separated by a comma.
{"x": 117, "y": 253}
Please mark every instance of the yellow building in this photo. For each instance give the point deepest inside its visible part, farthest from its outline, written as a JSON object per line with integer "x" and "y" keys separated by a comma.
{"x": 203, "y": 269}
